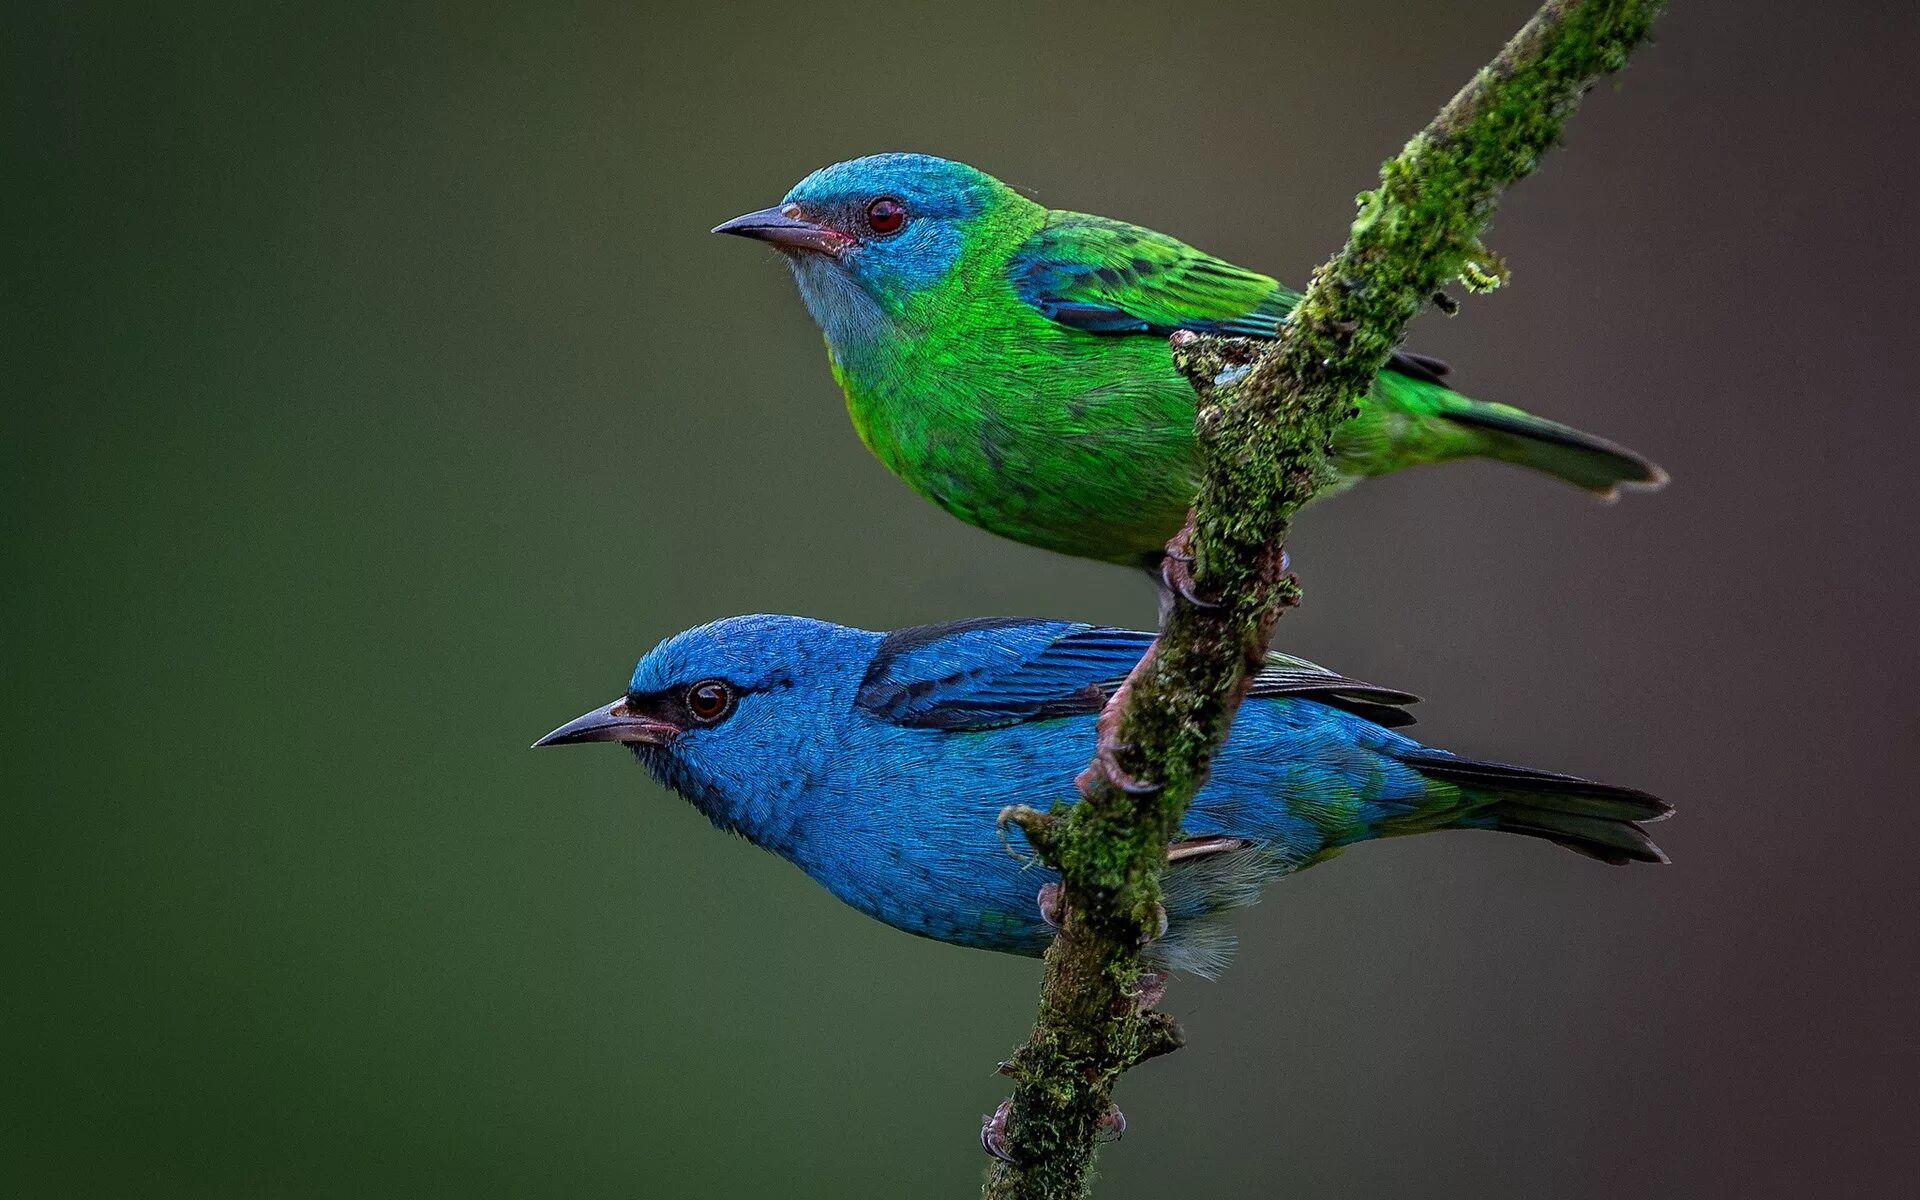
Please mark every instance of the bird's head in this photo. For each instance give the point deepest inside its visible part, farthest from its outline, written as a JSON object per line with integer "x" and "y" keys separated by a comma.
{"x": 868, "y": 237}
{"x": 733, "y": 715}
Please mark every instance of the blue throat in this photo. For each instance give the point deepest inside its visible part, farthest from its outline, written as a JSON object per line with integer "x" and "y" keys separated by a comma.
{"x": 765, "y": 816}
{"x": 853, "y": 321}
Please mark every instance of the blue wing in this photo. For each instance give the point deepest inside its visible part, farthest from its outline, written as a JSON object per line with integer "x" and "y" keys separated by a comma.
{"x": 990, "y": 672}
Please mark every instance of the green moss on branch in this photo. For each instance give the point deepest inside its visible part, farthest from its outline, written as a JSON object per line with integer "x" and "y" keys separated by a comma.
{"x": 1267, "y": 416}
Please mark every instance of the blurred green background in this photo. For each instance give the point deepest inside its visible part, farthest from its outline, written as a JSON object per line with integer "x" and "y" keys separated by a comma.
{"x": 374, "y": 396}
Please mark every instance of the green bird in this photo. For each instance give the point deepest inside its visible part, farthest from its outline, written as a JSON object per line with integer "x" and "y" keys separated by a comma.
{"x": 1010, "y": 361}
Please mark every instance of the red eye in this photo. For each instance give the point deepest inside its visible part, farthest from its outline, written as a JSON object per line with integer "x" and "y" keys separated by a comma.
{"x": 886, "y": 215}
{"x": 709, "y": 700}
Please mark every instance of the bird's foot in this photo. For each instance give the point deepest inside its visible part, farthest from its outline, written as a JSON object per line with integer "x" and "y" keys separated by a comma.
{"x": 1148, "y": 991}
{"x": 1107, "y": 748}
{"x": 1107, "y": 753}
{"x": 993, "y": 1131}
{"x": 1176, "y": 579}
{"x": 1053, "y": 904}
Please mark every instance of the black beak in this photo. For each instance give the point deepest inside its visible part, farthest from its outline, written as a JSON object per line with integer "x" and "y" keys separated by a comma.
{"x": 783, "y": 228}
{"x": 614, "y": 723}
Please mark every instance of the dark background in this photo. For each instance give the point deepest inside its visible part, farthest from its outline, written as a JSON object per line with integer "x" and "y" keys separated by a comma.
{"x": 374, "y": 396}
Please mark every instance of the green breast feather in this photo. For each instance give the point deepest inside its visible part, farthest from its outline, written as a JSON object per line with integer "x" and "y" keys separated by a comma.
{"x": 1033, "y": 393}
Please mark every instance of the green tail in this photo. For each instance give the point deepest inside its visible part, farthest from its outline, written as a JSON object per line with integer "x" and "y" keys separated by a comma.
{"x": 1581, "y": 459}
{"x": 1598, "y": 820}
{"x": 1406, "y": 421}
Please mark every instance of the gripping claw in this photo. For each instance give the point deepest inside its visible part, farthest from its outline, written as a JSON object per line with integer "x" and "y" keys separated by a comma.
{"x": 1053, "y": 909}
{"x": 993, "y": 1131}
{"x": 1176, "y": 575}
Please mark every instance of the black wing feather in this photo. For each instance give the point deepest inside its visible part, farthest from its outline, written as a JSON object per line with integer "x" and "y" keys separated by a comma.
{"x": 991, "y": 672}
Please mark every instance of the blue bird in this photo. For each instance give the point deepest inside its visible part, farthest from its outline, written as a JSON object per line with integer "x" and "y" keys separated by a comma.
{"x": 877, "y": 763}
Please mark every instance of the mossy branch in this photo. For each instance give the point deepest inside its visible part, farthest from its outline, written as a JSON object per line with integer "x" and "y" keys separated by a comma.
{"x": 1267, "y": 414}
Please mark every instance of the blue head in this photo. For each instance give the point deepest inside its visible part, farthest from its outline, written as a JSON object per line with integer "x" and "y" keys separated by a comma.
{"x": 737, "y": 714}
{"x": 868, "y": 236}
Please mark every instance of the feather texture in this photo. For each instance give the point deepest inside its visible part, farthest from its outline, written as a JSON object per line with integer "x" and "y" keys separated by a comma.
{"x": 879, "y": 763}
{"x": 984, "y": 673}
{"x": 1009, "y": 362}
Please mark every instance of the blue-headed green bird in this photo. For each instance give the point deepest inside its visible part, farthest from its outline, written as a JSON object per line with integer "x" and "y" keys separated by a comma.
{"x": 1010, "y": 361}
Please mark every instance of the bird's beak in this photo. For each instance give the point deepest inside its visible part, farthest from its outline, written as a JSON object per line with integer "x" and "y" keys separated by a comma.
{"x": 785, "y": 229}
{"x": 614, "y": 723}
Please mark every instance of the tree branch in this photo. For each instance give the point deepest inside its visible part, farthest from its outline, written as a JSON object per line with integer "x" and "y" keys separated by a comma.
{"x": 1267, "y": 414}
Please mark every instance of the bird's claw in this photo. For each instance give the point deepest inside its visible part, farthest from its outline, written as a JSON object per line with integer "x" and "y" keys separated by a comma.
{"x": 1126, "y": 781}
{"x": 1176, "y": 575}
{"x": 993, "y": 1131}
{"x": 1053, "y": 904}
{"x": 1149, "y": 990}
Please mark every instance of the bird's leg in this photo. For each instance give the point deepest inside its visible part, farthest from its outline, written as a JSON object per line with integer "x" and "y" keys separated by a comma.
{"x": 993, "y": 1131}
{"x": 1173, "y": 576}
{"x": 1108, "y": 753}
{"x": 1176, "y": 579}
{"x": 1163, "y": 595}
{"x": 1052, "y": 899}
{"x": 1107, "y": 747}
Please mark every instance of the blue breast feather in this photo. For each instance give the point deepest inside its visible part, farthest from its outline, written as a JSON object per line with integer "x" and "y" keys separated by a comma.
{"x": 966, "y": 718}
{"x": 899, "y": 751}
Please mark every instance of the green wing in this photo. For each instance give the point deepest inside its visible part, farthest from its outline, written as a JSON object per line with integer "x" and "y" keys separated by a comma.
{"x": 1108, "y": 277}
{"x": 1104, "y": 276}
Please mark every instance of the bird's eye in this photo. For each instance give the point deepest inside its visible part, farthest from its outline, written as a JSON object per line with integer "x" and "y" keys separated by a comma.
{"x": 886, "y": 215}
{"x": 709, "y": 700}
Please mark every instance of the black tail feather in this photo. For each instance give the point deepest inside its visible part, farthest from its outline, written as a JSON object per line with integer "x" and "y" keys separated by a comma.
{"x": 1599, "y": 820}
{"x": 1580, "y": 458}
{"x": 1614, "y": 841}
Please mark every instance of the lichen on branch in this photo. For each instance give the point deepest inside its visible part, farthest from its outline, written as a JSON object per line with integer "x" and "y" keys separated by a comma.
{"x": 1267, "y": 414}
